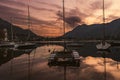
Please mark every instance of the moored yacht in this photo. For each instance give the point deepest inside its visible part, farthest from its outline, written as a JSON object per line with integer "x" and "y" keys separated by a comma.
{"x": 103, "y": 45}
{"x": 64, "y": 57}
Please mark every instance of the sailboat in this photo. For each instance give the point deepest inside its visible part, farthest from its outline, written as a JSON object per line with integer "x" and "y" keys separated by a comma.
{"x": 26, "y": 45}
{"x": 103, "y": 45}
{"x": 7, "y": 43}
{"x": 71, "y": 56}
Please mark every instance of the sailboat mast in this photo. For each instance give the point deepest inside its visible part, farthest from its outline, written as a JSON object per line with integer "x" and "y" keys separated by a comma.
{"x": 11, "y": 28}
{"x": 28, "y": 19}
{"x": 64, "y": 16}
{"x": 103, "y": 21}
{"x": 64, "y": 22}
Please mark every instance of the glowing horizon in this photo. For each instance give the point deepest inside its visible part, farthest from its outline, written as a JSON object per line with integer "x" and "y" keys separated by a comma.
{"x": 46, "y": 15}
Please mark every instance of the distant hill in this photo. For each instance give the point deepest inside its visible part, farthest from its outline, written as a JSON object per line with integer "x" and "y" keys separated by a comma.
{"x": 95, "y": 31}
{"x": 19, "y": 33}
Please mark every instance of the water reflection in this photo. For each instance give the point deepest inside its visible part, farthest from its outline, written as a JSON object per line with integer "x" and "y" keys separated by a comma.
{"x": 63, "y": 59}
{"x": 33, "y": 64}
{"x": 7, "y": 54}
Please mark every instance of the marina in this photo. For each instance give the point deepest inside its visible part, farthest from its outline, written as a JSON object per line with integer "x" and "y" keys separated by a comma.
{"x": 59, "y": 40}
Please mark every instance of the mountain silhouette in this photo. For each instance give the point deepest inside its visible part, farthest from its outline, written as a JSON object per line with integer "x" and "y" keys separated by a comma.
{"x": 18, "y": 33}
{"x": 95, "y": 31}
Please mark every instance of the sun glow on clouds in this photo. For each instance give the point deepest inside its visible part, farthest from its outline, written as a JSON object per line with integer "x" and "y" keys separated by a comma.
{"x": 44, "y": 13}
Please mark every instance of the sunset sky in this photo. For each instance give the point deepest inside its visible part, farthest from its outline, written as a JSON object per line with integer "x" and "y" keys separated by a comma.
{"x": 46, "y": 15}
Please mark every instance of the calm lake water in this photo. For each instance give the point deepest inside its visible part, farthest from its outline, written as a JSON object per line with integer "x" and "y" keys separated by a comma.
{"x": 33, "y": 64}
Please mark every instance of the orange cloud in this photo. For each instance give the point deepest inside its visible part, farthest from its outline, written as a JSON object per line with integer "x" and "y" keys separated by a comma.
{"x": 45, "y": 12}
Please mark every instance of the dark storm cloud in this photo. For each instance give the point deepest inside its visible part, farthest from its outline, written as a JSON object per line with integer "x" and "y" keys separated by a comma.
{"x": 72, "y": 20}
{"x": 72, "y": 17}
{"x": 77, "y": 15}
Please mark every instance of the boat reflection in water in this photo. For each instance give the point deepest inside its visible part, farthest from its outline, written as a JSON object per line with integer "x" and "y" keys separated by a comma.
{"x": 104, "y": 62}
{"x": 64, "y": 59}
{"x": 6, "y": 54}
{"x": 39, "y": 64}
{"x": 104, "y": 54}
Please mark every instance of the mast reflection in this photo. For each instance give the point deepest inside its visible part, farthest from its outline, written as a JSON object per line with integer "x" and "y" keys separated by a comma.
{"x": 7, "y": 54}
{"x": 104, "y": 54}
{"x": 63, "y": 59}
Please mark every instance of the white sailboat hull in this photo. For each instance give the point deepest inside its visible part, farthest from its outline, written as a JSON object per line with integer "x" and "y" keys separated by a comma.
{"x": 102, "y": 46}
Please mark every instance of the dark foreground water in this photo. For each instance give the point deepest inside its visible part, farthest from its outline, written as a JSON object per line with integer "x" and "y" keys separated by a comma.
{"x": 33, "y": 64}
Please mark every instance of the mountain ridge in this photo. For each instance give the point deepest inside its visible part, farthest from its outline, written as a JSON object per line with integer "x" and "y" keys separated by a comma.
{"x": 95, "y": 31}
